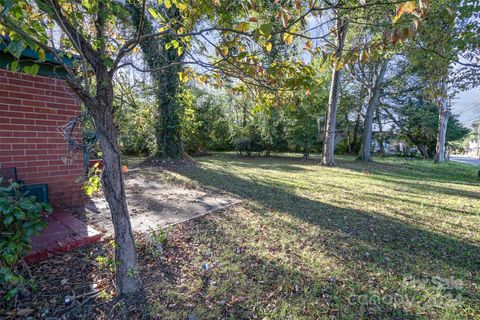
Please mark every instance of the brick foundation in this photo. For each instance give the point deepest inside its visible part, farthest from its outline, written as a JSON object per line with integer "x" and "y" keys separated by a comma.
{"x": 31, "y": 110}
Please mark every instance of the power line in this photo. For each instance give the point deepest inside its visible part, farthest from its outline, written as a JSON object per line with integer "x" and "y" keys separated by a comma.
{"x": 475, "y": 105}
{"x": 472, "y": 119}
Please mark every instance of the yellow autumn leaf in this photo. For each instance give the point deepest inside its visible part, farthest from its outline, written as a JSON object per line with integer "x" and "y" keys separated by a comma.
{"x": 268, "y": 46}
{"x": 338, "y": 66}
{"x": 41, "y": 54}
{"x": 181, "y": 6}
{"x": 243, "y": 27}
{"x": 287, "y": 38}
{"x": 183, "y": 77}
{"x": 407, "y": 7}
{"x": 180, "y": 50}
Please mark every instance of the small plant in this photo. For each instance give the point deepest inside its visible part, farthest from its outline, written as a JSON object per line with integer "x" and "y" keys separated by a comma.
{"x": 93, "y": 182}
{"x": 21, "y": 218}
{"x": 106, "y": 263}
{"x": 160, "y": 235}
{"x": 157, "y": 239}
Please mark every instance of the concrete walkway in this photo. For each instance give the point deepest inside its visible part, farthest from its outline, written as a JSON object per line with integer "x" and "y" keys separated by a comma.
{"x": 153, "y": 203}
{"x": 466, "y": 159}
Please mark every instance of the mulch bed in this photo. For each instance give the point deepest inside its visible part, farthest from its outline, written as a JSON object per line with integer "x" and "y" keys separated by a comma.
{"x": 80, "y": 284}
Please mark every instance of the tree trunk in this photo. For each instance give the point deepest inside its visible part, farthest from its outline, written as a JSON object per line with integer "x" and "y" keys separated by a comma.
{"x": 443, "y": 116}
{"x": 373, "y": 98}
{"x": 127, "y": 276}
{"x": 349, "y": 141}
{"x": 333, "y": 99}
{"x": 165, "y": 78}
{"x": 380, "y": 129}
{"x": 478, "y": 140}
{"x": 423, "y": 150}
{"x": 126, "y": 273}
{"x": 357, "y": 121}
{"x": 244, "y": 116}
{"x": 100, "y": 106}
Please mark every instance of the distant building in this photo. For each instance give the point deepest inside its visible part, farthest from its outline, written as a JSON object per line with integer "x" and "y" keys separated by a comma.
{"x": 391, "y": 143}
{"x": 473, "y": 148}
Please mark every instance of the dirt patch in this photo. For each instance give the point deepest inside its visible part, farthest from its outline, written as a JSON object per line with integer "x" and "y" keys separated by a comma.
{"x": 154, "y": 203}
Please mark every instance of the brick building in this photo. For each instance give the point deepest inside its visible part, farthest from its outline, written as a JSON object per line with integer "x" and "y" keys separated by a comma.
{"x": 32, "y": 108}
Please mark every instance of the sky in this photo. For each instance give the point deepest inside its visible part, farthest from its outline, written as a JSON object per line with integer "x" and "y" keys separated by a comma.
{"x": 467, "y": 106}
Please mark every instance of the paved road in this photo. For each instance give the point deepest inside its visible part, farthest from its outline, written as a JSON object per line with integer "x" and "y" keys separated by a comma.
{"x": 466, "y": 160}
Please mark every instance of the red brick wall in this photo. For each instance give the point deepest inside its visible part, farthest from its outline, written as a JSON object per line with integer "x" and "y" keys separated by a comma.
{"x": 31, "y": 110}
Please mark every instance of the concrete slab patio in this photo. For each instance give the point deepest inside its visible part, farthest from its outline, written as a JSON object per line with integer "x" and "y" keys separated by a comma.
{"x": 153, "y": 203}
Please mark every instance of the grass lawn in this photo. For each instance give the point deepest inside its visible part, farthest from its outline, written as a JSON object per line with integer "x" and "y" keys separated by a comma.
{"x": 395, "y": 239}
{"x": 390, "y": 239}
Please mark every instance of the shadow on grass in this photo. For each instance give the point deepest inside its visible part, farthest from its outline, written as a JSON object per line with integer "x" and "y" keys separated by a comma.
{"x": 379, "y": 235}
{"x": 245, "y": 285}
{"x": 374, "y": 196}
{"x": 393, "y": 167}
{"x": 426, "y": 187}
{"x": 423, "y": 170}
{"x": 397, "y": 173}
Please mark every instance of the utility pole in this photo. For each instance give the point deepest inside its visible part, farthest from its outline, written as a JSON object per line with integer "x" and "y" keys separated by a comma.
{"x": 478, "y": 140}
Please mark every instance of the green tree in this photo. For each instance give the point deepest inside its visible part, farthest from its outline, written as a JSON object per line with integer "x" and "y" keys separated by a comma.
{"x": 445, "y": 37}
{"x": 94, "y": 31}
{"x": 418, "y": 124}
{"x": 164, "y": 58}
{"x": 205, "y": 123}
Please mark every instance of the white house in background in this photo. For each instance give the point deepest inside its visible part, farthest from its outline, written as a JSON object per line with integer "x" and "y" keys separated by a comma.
{"x": 473, "y": 147}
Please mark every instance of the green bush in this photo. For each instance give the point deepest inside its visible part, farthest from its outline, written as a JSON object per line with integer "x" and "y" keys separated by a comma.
{"x": 249, "y": 145}
{"x": 205, "y": 125}
{"x": 21, "y": 220}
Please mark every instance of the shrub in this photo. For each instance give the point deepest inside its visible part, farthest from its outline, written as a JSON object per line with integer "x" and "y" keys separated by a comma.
{"x": 205, "y": 125}
{"x": 21, "y": 217}
{"x": 247, "y": 146}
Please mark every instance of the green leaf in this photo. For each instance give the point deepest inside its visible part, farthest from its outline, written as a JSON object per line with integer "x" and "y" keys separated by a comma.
{"x": 32, "y": 70}
{"x": 14, "y": 66}
{"x": 16, "y": 48}
{"x": 45, "y": 7}
{"x": 8, "y": 220}
{"x": 241, "y": 55}
{"x": 11, "y": 293}
{"x": 153, "y": 12}
{"x": 266, "y": 29}
{"x": 86, "y": 4}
